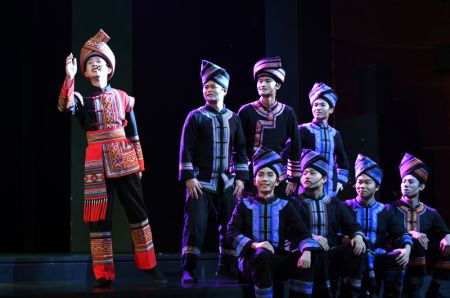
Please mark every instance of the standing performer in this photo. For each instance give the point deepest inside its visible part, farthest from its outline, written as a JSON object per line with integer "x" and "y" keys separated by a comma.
{"x": 259, "y": 227}
{"x": 270, "y": 123}
{"x": 319, "y": 136}
{"x": 114, "y": 160}
{"x": 213, "y": 165}
{"x": 379, "y": 225}
{"x": 431, "y": 235}
{"x": 325, "y": 217}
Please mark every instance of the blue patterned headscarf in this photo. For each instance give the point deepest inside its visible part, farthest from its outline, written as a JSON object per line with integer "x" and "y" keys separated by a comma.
{"x": 264, "y": 158}
{"x": 321, "y": 90}
{"x": 210, "y": 71}
{"x": 312, "y": 159}
{"x": 365, "y": 165}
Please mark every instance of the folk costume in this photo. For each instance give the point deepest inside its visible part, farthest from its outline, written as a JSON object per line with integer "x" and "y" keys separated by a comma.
{"x": 275, "y": 220}
{"x": 381, "y": 230}
{"x": 212, "y": 150}
{"x": 272, "y": 127}
{"x": 327, "y": 216}
{"x": 326, "y": 141}
{"x": 423, "y": 219}
{"x": 113, "y": 160}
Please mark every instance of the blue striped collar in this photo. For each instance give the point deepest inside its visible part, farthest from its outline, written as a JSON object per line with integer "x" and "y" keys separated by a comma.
{"x": 319, "y": 125}
{"x": 370, "y": 204}
{"x": 322, "y": 197}
{"x": 269, "y": 200}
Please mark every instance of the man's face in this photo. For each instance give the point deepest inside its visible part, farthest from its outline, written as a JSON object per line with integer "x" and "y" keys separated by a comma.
{"x": 96, "y": 67}
{"x": 213, "y": 92}
{"x": 312, "y": 179}
{"x": 321, "y": 109}
{"x": 365, "y": 187}
{"x": 267, "y": 86}
{"x": 411, "y": 187}
{"x": 266, "y": 180}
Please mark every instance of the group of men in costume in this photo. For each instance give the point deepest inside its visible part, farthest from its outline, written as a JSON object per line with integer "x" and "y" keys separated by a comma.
{"x": 272, "y": 184}
{"x": 289, "y": 223}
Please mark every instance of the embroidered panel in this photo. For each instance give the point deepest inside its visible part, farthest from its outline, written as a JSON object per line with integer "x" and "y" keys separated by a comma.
{"x": 101, "y": 249}
{"x": 142, "y": 238}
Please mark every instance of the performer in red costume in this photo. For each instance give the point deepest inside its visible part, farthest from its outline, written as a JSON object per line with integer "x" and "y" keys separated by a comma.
{"x": 114, "y": 160}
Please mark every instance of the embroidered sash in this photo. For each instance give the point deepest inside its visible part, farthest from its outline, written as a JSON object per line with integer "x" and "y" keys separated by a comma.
{"x": 95, "y": 195}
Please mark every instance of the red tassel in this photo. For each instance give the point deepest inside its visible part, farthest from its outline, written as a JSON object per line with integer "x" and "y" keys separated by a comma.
{"x": 103, "y": 210}
{"x": 95, "y": 210}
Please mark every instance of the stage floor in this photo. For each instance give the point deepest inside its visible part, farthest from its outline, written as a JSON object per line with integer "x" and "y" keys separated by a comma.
{"x": 138, "y": 288}
{"x": 142, "y": 287}
{"x": 71, "y": 276}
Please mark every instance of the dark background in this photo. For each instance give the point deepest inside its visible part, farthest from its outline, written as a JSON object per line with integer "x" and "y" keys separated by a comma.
{"x": 389, "y": 62}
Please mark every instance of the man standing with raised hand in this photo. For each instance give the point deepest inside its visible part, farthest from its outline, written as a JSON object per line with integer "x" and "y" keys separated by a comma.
{"x": 114, "y": 160}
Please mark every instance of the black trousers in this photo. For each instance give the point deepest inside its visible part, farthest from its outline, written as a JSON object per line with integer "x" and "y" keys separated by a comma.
{"x": 129, "y": 191}
{"x": 196, "y": 212}
{"x": 383, "y": 268}
{"x": 422, "y": 262}
{"x": 340, "y": 264}
{"x": 263, "y": 269}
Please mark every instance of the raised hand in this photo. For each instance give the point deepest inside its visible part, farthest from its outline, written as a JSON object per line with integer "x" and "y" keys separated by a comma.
{"x": 71, "y": 67}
